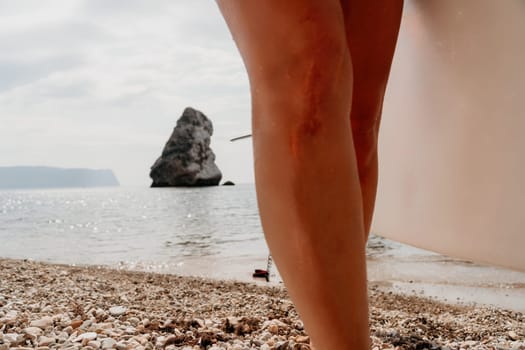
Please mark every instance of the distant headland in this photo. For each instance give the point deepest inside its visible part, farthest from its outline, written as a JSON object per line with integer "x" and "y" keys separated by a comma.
{"x": 32, "y": 177}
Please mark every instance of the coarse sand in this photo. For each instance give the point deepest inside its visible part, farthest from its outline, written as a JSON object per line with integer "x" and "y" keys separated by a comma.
{"x": 49, "y": 306}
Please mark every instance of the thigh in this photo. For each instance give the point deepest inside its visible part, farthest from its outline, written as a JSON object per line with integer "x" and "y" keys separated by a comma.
{"x": 371, "y": 30}
{"x": 276, "y": 36}
{"x": 297, "y": 59}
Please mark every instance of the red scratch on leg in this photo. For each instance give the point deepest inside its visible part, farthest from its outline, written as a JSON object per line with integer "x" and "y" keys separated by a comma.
{"x": 304, "y": 134}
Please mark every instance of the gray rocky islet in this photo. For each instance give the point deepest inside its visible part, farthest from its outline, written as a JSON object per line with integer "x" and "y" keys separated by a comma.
{"x": 187, "y": 158}
{"x": 47, "y": 306}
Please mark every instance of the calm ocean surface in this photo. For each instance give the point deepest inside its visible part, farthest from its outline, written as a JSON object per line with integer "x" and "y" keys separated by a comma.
{"x": 186, "y": 230}
{"x": 212, "y": 232}
{"x": 130, "y": 225}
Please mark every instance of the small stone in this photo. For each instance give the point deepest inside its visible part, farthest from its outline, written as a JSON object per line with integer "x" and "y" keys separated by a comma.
{"x": 141, "y": 339}
{"x": 265, "y": 336}
{"x": 298, "y": 325}
{"x": 47, "y": 309}
{"x": 86, "y": 336}
{"x": 469, "y": 343}
{"x": 9, "y": 319}
{"x": 86, "y": 324}
{"x": 99, "y": 313}
{"x": 134, "y": 321}
{"x": 45, "y": 341}
{"x": 94, "y": 344}
{"x": 121, "y": 345}
{"x": 281, "y": 345}
{"x": 130, "y": 330}
{"x": 100, "y": 327}
{"x": 302, "y": 339}
{"x": 108, "y": 343}
{"x": 117, "y": 311}
{"x": 33, "y": 331}
{"x": 199, "y": 321}
{"x": 161, "y": 341}
{"x": 42, "y": 323}
{"x": 13, "y": 338}
{"x": 301, "y": 346}
{"x": 62, "y": 337}
{"x": 512, "y": 335}
{"x": 76, "y": 323}
{"x": 273, "y": 328}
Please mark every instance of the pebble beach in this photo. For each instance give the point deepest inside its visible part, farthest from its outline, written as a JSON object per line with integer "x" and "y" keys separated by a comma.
{"x": 47, "y": 306}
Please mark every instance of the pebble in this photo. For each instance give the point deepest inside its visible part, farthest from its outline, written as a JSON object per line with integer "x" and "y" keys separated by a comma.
{"x": 42, "y": 323}
{"x": 176, "y": 313}
{"x": 45, "y": 341}
{"x": 121, "y": 345}
{"x": 33, "y": 331}
{"x": 94, "y": 344}
{"x": 117, "y": 311}
{"x": 273, "y": 328}
{"x": 86, "y": 324}
{"x": 9, "y": 318}
{"x": 86, "y": 336}
{"x": 108, "y": 343}
{"x": 302, "y": 339}
{"x": 13, "y": 338}
{"x": 134, "y": 321}
{"x": 512, "y": 335}
{"x": 68, "y": 330}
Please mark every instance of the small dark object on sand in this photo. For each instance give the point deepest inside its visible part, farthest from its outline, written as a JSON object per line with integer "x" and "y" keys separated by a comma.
{"x": 264, "y": 273}
{"x": 261, "y": 274}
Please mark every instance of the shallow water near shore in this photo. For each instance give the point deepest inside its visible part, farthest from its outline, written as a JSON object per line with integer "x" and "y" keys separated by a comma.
{"x": 211, "y": 232}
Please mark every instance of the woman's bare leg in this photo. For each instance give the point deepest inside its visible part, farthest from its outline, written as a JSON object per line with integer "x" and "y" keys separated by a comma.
{"x": 307, "y": 180}
{"x": 371, "y": 30}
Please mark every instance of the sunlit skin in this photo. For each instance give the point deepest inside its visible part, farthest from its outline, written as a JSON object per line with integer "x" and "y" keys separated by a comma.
{"x": 318, "y": 71}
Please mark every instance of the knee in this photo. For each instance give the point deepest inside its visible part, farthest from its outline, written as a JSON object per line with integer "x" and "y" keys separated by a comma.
{"x": 311, "y": 61}
{"x": 310, "y": 47}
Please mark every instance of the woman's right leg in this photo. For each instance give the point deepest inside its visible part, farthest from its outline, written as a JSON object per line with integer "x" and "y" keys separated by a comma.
{"x": 371, "y": 30}
{"x": 307, "y": 181}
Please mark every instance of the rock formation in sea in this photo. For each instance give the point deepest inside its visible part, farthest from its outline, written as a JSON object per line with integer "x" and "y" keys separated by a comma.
{"x": 187, "y": 159}
{"x": 228, "y": 183}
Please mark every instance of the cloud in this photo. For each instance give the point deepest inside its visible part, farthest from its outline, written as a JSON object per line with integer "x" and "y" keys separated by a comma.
{"x": 50, "y": 38}
{"x": 102, "y": 83}
{"x": 21, "y": 72}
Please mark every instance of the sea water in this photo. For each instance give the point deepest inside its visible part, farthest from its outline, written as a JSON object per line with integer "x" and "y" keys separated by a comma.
{"x": 130, "y": 225}
{"x": 210, "y": 232}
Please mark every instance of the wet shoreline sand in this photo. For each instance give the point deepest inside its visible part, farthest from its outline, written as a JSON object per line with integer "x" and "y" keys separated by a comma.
{"x": 59, "y": 306}
{"x": 430, "y": 275}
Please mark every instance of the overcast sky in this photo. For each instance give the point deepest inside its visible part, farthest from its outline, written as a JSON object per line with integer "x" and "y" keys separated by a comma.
{"x": 101, "y": 84}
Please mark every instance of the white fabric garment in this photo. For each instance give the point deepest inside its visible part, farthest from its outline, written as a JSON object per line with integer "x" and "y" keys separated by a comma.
{"x": 452, "y": 142}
